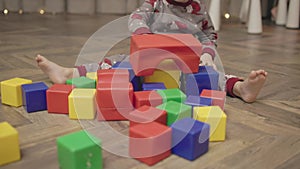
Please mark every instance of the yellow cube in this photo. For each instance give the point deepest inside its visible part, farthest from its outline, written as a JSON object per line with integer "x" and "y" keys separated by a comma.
{"x": 82, "y": 104}
{"x": 92, "y": 75}
{"x": 166, "y": 72}
{"x": 9, "y": 144}
{"x": 11, "y": 91}
{"x": 216, "y": 118}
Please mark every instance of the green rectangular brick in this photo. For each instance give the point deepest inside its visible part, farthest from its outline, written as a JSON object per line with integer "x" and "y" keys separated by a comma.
{"x": 79, "y": 150}
{"x": 175, "y": 111}
{"x": 82, "y": 82}
{"x": 172, "y": 95}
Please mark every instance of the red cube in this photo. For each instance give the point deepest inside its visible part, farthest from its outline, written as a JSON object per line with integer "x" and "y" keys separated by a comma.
{"x": 113, "y": 114}
{"x": 218, "y": 97}
{"x": 149, "y": 98}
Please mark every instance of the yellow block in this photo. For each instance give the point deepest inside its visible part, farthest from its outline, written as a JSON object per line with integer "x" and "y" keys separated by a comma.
{"x": 82, "y": 104}
{"x": 11, "y": 91}
{"x": 166, "y": 72}
{"x": 92, "y": 75}
{"x": 215, "y": 117}
{"x": 9, "y": 144}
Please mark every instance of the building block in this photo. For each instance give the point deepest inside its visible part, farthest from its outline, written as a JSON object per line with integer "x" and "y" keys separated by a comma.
{"x": 113, "y": 76}
{"x": 82, "y": 103}
{"x": 190, "y": 138}
{"x": 172, "y": 94}
{"x": 206, "y": 78}
{"x": 150, "y": 142}
{"x": 113, "y": 114}
{"x": 167, "y": 72}
{"x": 153, "y": 86}
{"x": 216, "y": 118}
{"x": 218, "y": 97}
{"x": 115, "y": 95}
{"x": 175, "y": 111}
{"x": 82, "y": 82}
{"x": 78, "y": 7}
{"x": 9, "y": 144}
{"x": 147, "y": 114}
{"x": 198, "y": 101}
{"x": 92, "y": 75}
{"x": 79, "y": 150}
{"x": 57, "y": 98}
{"x": 149, "y": 98}
{"x": 148, "y": 50}
{"x": 34, "y": 96}
{"x": 135, "y": 80}
{"x": 11, "y": 91}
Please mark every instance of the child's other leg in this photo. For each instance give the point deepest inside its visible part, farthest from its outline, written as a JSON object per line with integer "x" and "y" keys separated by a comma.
{"x": 56, "y": 73}
{"x": 249, "y": 88}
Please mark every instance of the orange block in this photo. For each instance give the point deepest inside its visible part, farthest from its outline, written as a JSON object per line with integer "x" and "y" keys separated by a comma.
{"x": 218, "y": 97}
{"x": 149, "y": 98}
{"x": 147, "y": 51}
{"x": 150, "y": 142}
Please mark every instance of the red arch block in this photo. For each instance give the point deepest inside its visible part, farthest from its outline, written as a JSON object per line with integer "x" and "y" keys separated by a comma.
{"x": 147, "y": 51}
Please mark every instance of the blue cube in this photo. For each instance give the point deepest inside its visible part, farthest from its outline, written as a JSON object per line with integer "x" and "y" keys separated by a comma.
{"x": 206, "y": 78}
{"x": 198, "y": 101}
{"x": 135, "y": 80}
{"x": 190, "y": 138}
{"x": 153, "y": 86}
{"x": 34, "y": 96}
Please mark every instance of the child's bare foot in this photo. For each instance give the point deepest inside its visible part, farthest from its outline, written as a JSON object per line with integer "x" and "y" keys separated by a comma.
{"x": 248, "y": 89}
{"x": 56, "y": 73}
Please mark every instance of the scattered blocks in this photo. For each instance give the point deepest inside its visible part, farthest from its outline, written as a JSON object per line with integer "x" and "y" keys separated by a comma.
{"x": 11, "y": 92}
{"x": 147, "y": 51}
{"x": 34, "y": 96}
{"x": 150, "y": 142}
{"x": 172, "y": 94}
{"x": 79, "y": 150}
{"x": 147, "y": 114}
{"x": 198, "y": 101}
{"x": 190, "y": 138}
{"x": 82, "y": 82}
{"x": 176, "y": 111}
{"x": 206, "y": 78}
{"x": 153, "y": 86}
{"x": 57, "y": 98}
{"x": 218, "y": 97}
{"x": 167, "y": 72}
{"x": 82, "y": 103}
{"x": 216, "y": 118}
{"x": 149, "y": 98}
{"x": 9, "y": 144}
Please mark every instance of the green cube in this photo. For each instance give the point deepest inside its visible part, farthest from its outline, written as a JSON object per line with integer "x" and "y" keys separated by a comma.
{"x": 175, "y": 111}
{"x": 82, "y": 82}
{"x": 79, "y": 150}
{"x": 172, "y": 95}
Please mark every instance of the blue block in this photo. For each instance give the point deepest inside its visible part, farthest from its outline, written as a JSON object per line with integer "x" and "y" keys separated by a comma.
{"x": 206, "y": 78}
{"x": 34, "y": 96}
{"x": 153, "y": 86}
{"x": 135, "y": 80}
{"x": 198, "y": 101}
{"x": 190, "y": 138}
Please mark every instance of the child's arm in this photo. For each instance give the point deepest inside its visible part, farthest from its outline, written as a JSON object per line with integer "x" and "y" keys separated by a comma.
{"x": 139, "y": 19}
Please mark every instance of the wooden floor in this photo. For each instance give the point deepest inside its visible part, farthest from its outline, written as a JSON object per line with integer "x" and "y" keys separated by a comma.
{"x": 262, "y": 135}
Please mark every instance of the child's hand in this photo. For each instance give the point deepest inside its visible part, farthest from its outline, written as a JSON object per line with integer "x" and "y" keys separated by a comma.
{"x": 206, "y": 60}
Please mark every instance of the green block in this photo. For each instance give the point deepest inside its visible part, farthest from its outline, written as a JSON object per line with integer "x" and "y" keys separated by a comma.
{"x": 79, "y": 150}
{"x": 82, "y": 82}
{"x": 175, "y": 111}
{"x": 172, "y": 95}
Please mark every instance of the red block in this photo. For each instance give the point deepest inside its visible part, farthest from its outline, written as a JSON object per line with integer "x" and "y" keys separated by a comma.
{"x": 113, "y": 114}
{"x": 147, "y": 114}
{"x": 114, "y": 95}
{"x": 147, "y": 51}
{"x": 113, "y": 75}
{"x": 57, "y": 98}
{"x": 218, "y": 97}
{"x": 150, "y": 142}
{"x": 149, "y": 98}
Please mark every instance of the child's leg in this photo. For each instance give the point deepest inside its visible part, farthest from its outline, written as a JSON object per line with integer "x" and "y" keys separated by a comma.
{"x": 249, "y": 88}
{"x": 56, "y": 73}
